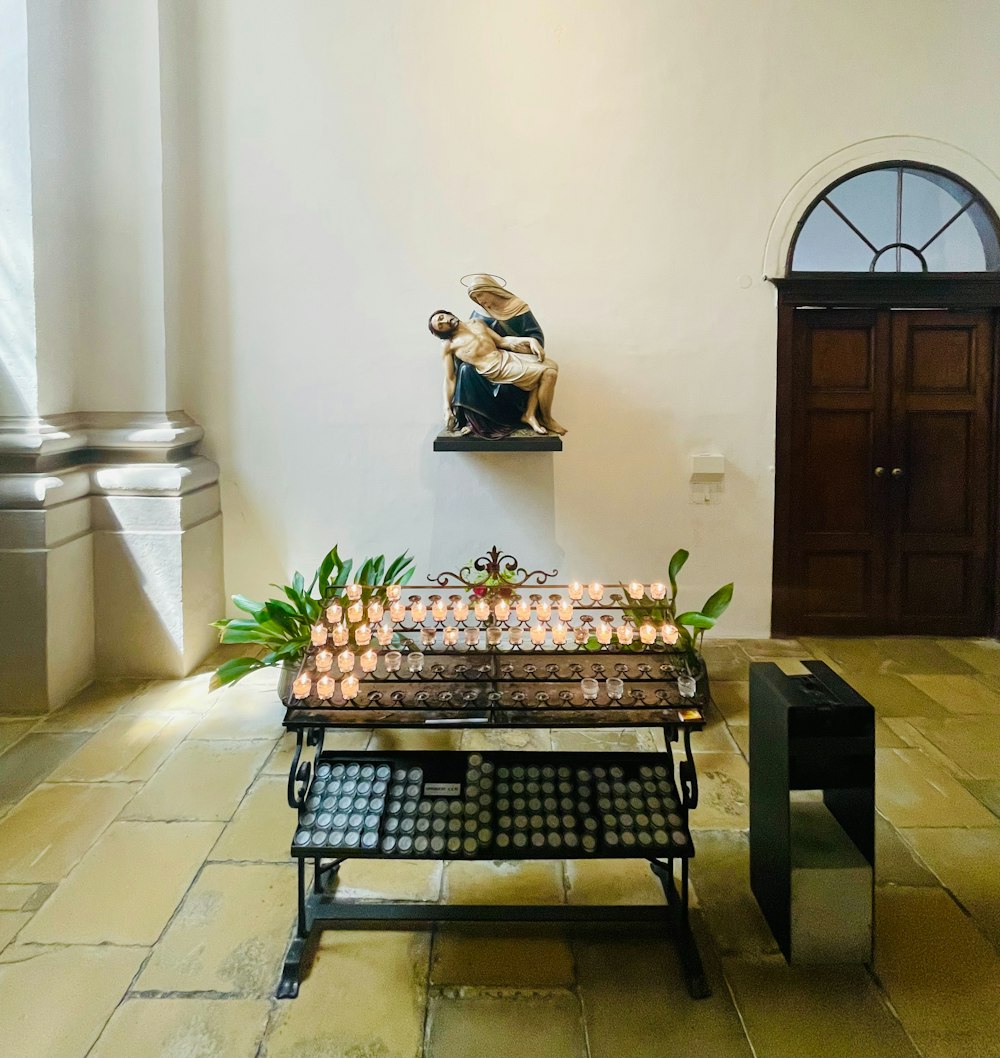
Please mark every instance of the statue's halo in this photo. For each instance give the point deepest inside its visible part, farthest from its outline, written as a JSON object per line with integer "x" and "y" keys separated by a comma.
{"x": 499, "y": 280}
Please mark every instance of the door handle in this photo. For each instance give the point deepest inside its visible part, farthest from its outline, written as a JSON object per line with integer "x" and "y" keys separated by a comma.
{"x": 879, "y": 472}
{"x": 897, "y": 472}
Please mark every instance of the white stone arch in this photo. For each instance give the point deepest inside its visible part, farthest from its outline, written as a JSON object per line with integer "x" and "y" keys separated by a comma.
{"x": 864, "y": 153}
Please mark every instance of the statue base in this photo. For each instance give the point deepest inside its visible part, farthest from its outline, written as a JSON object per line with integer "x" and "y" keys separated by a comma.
{"x": 519, "y": 441}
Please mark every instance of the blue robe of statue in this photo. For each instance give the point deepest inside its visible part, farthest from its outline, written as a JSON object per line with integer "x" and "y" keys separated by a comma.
{"x": 491, "y": 409}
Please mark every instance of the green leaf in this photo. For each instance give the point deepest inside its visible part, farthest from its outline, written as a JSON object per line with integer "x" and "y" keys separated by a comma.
{"x": 695, "y": 619}
{"x": 233, "y": 670}
{"x": 344, "y": 573}
{"x": 325, "y": 570}
{"x": 298, "y": 583}
{"x": 716, "y": 604}
{"x": 250, "y": 635}
{"x": 677, "y": 561}
{"x": 248, "y": 605}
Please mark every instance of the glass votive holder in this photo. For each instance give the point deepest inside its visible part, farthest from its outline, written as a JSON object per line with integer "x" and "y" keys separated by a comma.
{"x": 647, "y": 633}
{"x": 439, "y": 609}
{"x": 543, "y": 610}
{"x": 369, "y": 659}
{"x": 626, "y": 633}
{"x": 669, "y": 634}
{"x": 604, "y": 633}
{"x": 427, "y": 636}
{"x": 349, "y": 687}
{"x": 375, "y": 611}
{"x": 595, "y": 590}
{"x": 580, "y": 634}
{"x": 635, "y": 589}
{"x": 565, "y": 610}
{"x": 414, "y": 661}
{"x": 393, "y": 592}
{"x": 418, "y": 611}
{"x": 686, "y": 685}
{"x": 472, "y": 637}
{"x": 575, "y": 590}
{"x": 353, "y": 591}
{"x": 318, "y": 634}
{"x": 515, "y": 635}
{"x": 559, "y": 633}
{"x": 502, "y": 610}
{"x": 522, "y": 610}
{"x": 493, "y": 634}
{"x": 363, "y": 635}
{"x": 657, "y": 590}
{"x": 345, "y": 660}
{"x": 302, "y": 686}
{"x": 340, "y": 635}
{"x": 450, "y": 635}
{"x": 589, "y": 687}
{"x": 356, "y": 611}
{"x": 615, "y": 688}
{"x": 461, "y": 610}
{"x": 481, "y": 609}
{"x": 324, "y": 661}
{"x": 335, "y": 613}
{"x": 325, "y": 686}
{"x": 384, "y": 635}
{"x": 393, "y": 659}
{"x": 397, "y": 611}
{"x": 537, "y": 633}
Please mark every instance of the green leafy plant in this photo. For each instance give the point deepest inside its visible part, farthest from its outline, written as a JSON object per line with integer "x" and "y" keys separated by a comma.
{"x": 283, "y": 626}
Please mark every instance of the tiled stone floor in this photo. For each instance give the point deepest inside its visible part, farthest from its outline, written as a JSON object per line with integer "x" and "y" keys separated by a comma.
{"x": 146, "y": 893}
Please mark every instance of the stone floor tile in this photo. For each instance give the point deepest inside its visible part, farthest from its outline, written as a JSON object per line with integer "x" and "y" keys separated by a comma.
{"x": 714, "y": 738}
{"x": 895, "y": 863}
{"x": 939, "y": 972}
{"x": 390, "y": 880}
{"x": 32, "y": 759}
{"x": 388, "y": 740}
{"x": 243, "y": 712}
{"x": 612, "y": 882}
{"x": 127, "y": 886}
{"x": 262, "y": 827}
{"x": 201, "y": 780}
{"x": 765, "y": 649}
{"x": 190, "y": 695}
{"x": 893, "y": 695}
{"x": 45, "y": 836}
{"x": 12, "y": 731}
{"x": 55, "y": 1001}
{"x": 983, "y": 1043}
{"x": 965, "y": 859}
{"x": 726, "y": 660}
{"x": 501, "y": 955}
{"x": 814, "y": 1010}
{"x": 602, "y": 740}
{"x": 959, "y": 694}
{"x": 41, "y": 894}
{"x": 112, "y": 750}
{"x": 167, "y": 739}
{"x": 14, "y": 897}
{"x": 982, "y": 654}
{"x": 10, "y": 924}
{"x": 919, "y": 655}
{"x": 229, "y": 934}
{"x": 517, "y": 1027}
{"x": 365, "y": 994}
{"x": 741, "y": 736}
{"x": 732, "y": 699}
{"x": 724, "y": 792}
{"x": 913, "y": 791}
{"x": 886, "y": 737}
{"x": 636, "y": 1003}
{"x": 91, "y": 709}
{"x": 986, "y": 792}
{"x": 504, "y": 882}
{"x": 170, "y": 1028}
{"x": 523, "y": 738}
{"x": 720, "y": 870}
{"x": 972, "y": 742}
{"x": 847, "y": 655}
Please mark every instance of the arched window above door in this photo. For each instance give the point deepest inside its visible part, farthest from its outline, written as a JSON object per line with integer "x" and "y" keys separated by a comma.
{"x": 897, "y": 217}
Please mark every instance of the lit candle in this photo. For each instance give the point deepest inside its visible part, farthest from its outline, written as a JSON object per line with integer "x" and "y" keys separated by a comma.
{"x": 302, "y": 686}
{"x": 439, "y": 609}
{"x": 369, "y": 659}
{"x": 324, "y": 661}
{"x": 418, "y": 611}
{"x": 345, "y": 660}
{"x": 481, "y": 609}
{"x": 340, "y": 635}
{"x": 515, "y": 635}
{"x": 318, "y": 634}
{"x": 450, "y": 636}
{"x": 544, "y": 610}
{"x": 522, "y": 609}
{"x": 626, "y": 633}
{"x": 657, "y": 590}
{"x": 604, "y": 632}
{"x": 353, "y": 591}
{"x": 363, "y": 635}
{"x": 647, "y": 632}
{"x": 349, "y": 686}
{"x": 669, "y": 634}
{"x": 356, "y": 611}
{"x": 325, "y": 686}
{"x": 575, "y": 589}
{"x": 460, "y": 610}
{"x": 565, "y": 610}
{"x": 393, "y": 592}
{"x": 384, "y": 635}
{"x": 559, "y": 633}
{"x": 334, "y": 612}
{"x": 472, "y": 637}
{"x": 375, "y": 610}
{"x": 595, "y": 590}
{"x": 635, "y": 589}
{"x": 502, "y": 610}
{"x": 538, "y": 634}
{"x": 397, "y": 611}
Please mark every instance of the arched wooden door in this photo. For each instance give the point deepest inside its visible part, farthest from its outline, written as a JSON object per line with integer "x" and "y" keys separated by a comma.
{"x": 887, "y": 424}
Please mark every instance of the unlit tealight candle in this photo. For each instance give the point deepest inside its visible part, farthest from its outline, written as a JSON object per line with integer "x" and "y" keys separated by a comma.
{"x": 450, "y": 636}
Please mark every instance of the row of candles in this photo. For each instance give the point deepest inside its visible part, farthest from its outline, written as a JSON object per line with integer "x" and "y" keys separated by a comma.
{"x": 595, "y": 590}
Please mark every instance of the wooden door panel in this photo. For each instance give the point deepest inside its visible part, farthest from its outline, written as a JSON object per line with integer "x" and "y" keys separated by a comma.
{"x": 939, "y": 473}
{"x": 935, "y": 586}
{"x": 837, "y": 481}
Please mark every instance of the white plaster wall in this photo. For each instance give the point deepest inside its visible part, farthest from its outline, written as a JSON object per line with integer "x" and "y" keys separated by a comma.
{"x": 342, "y": 163}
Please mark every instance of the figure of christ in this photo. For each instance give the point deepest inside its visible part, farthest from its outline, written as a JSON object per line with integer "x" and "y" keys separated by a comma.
{"x": 520, "y": 362}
